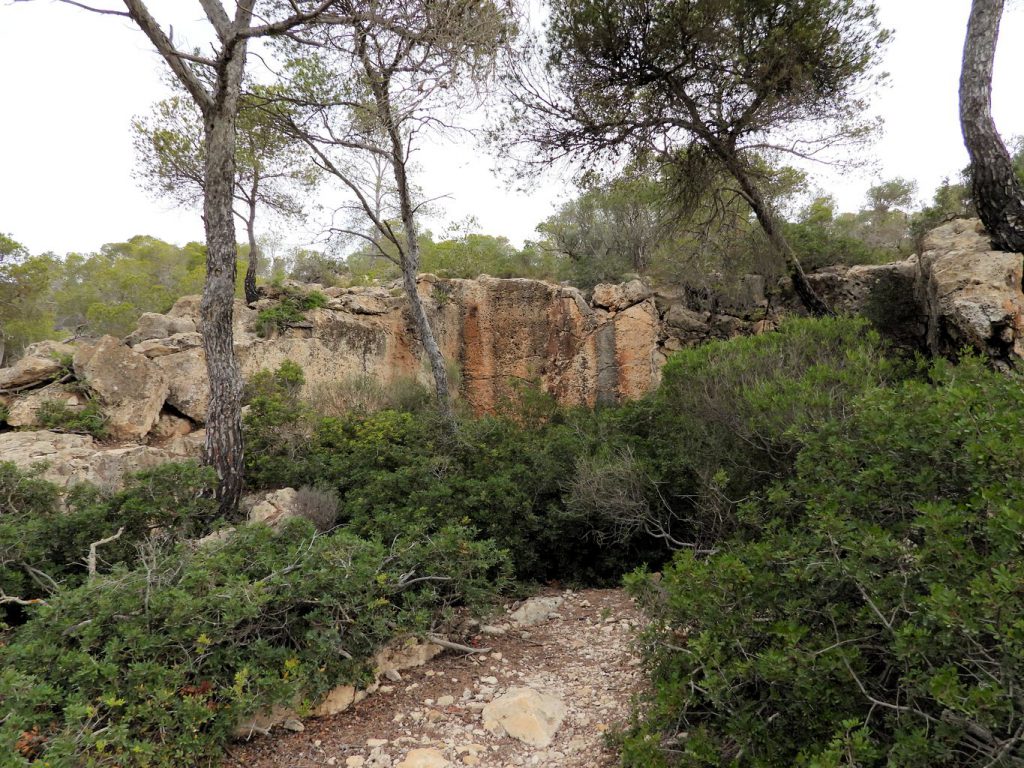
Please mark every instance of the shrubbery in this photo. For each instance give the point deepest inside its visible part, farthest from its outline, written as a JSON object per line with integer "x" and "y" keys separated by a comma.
{"x": 153, "y": 660}
{"x": 870, "y": 612}
{"x": 290, "y": 309}
{"x": 157, "y": 664}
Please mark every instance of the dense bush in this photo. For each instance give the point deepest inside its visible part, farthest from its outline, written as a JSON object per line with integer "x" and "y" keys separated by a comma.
{"x": 44, "y": 540}
{"x": 728, "y": 420}
{"x": 870, "y": 611}
{"x": 156, "y": 665}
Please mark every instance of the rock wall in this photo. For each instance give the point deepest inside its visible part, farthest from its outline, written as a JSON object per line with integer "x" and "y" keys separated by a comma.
{"x": 585, "y": 351}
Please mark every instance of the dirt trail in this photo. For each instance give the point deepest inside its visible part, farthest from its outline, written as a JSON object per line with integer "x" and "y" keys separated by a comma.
{"x": 436, "y": 716}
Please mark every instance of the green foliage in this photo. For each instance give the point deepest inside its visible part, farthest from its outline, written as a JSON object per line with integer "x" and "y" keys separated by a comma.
{"x": 59, "y": 416}
{"x": 26, "y": 313}
{"x": 869, "y": 613}
{"x": 44, "y": 541}
{"x": 291, "y": 309}
{"x": 156, "y": 665}
{"x": 394, "y": 470}
{"x": 728, "y": 417}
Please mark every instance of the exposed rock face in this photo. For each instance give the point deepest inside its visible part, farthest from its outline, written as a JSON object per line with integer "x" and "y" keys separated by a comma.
{"x": 40, "y": 363}
{"x": 958, "y": 293}
{"x": 75, "y": 459}
{"x": 131, "y": 388}
{"x": 973, "y": 295}
{"x": 504, "y": 333}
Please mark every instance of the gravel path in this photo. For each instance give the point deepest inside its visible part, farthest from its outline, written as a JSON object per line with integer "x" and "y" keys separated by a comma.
{"x": 434, "y": 716}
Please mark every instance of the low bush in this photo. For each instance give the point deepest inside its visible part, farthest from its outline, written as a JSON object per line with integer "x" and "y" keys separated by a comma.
{"x": 291, "y": 309}
{"x": 728, "y": 421}
{"x": 869, "y": 611}
{"x": 44, "y": 539}
{"x": 156, "y": 665}
{"x": 58, "y": 416}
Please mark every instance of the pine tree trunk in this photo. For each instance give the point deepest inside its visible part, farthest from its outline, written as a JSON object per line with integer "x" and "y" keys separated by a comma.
{"x": 251, "y": 294}
{"x": 769, "y": 222}
{"x": 998, "y": 195}
{"x": 223, "y": 448}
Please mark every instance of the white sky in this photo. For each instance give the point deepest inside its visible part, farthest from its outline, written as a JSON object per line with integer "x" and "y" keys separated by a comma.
{"x": 71, "y": 81}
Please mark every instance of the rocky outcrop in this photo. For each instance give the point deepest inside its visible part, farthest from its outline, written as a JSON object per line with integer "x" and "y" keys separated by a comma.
{"x": 506, "y": 333}
{"x": 958, "y": 293}
{"x": 131, "y": 388}
{"x": 66, "y": 459}
{"x": 41, "y": 362}
{"x": 974, "y": 296}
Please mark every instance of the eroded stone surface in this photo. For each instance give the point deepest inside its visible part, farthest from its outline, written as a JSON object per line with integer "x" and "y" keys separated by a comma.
{"x": 131, "y": 388}
{"x": 525, "y": 714}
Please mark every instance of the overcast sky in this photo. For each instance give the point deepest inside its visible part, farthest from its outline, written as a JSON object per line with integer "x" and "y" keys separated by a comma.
{"x": 71, "y": 81}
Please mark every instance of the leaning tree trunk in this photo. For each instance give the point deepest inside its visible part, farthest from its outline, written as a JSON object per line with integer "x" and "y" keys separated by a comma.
{"x": 769, "y": 222}
{"x": 998, "y": 195}
{"x": 254, "y": 251}
{"x": 410, "y": 270}
{"x": 223, "y": 448}
{"x": 411, "y": 253}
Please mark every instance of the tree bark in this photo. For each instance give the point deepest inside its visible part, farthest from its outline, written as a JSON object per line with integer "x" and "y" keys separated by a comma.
{"x": 998, "y": 195}
{"x": 769, "y": 222}
{"x": 223, "y": 449}
{"x": 254, "y": 252}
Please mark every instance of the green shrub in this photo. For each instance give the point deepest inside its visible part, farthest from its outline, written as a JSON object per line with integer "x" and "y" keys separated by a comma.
{"x": 156, "y": 665}
{"x": 44, "y": 541}
{"x": 728, "y": 418}
{"x": 291, "y": 309}
{"x": 870, "y": 612}
{"x": 58, "y": 416}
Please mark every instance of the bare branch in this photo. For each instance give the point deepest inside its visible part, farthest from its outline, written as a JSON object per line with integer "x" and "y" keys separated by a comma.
{"x": 92, "y": 550}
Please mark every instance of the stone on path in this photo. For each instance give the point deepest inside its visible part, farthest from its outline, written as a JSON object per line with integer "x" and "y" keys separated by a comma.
{"x": 525, "y": 714}
{"x": 535, "y": 610}
{"x": 424, "y": 758}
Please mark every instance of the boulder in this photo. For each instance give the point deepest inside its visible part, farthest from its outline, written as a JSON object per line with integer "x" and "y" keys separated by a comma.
{"x": 525, "y": 714}
{"x": 337, "y": 700}
{"x": 170, "y": 427}
{"x": 72, "y": 459}
{"x": 179, "y": 342}
{"x": 40, "y": 363}
{"x": 401, "y": 656}
{"x": 155, "y": 326}
{"x": 971, "y": 294}
{"x": 619, "y": 297}
{"x": 188, "y": 389}
{"x": 131, "y": 388}
{"x": 23, "y": 409}
{"x": 275, "y": 507}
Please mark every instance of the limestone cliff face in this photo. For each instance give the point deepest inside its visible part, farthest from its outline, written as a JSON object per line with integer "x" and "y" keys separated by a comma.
{"x": 502, "y": 332}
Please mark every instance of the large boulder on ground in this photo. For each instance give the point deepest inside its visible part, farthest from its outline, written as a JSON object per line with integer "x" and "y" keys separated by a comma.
{"x": 154, "y": 326}
{"x": 40, "y": 363}
{"x": 72, "y": 459}
{"x": 188, "y": 388}
{"x": 973, "y": 295}
{"x": 619, "y": 297}
{"x": 131, "y": 388}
